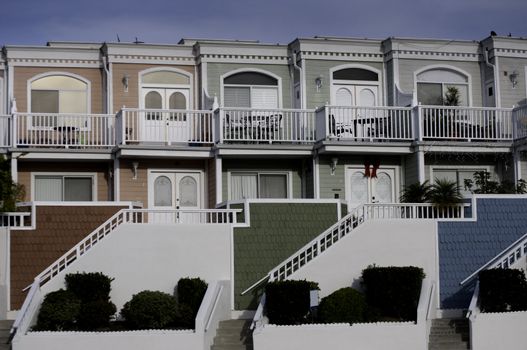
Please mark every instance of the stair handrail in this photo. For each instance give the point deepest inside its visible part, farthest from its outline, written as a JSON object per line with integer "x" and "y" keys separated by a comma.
{"x": 505, "y": 258}
{"x": 473, "y": 307}
{"x": 23, "y": 312}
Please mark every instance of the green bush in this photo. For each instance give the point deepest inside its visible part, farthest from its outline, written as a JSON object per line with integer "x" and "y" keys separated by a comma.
{"x": 59, "y": 311}
{"x": 393, "y": 291}
{"x": 95, "y": 314}
{"x": 89, "y": 286}
{"x": 288, "y": 301}
{"x": 150, "y": 310}
{"x": 190, "y": 292}
{"x": 502, "y": 290}
{"x": 344, "y": 305}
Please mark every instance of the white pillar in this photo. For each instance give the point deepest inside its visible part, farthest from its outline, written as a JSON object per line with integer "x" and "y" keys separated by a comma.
{"x": 421, "y": 166}
{"x": 14, "y": 167}
{"x": 316, "y": 177}
{"x": 219, "y": 177}
{"x": 116, "y": 180}
{"x": 517, "y": 166}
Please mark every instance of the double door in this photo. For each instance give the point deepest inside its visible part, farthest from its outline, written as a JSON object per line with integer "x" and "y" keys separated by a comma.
{"x": 361, "y": 189}
{"x": 175, "y": 190}
{"x": 164, "y": 118}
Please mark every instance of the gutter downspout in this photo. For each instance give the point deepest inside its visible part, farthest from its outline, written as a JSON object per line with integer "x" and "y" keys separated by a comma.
{"x": 299, "y": 69}
{"x": 497, "y": 95}
{"x": 108, "y": 85}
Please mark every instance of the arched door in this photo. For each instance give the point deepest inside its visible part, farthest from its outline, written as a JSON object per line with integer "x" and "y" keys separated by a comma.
{"x": 362, "y": 189}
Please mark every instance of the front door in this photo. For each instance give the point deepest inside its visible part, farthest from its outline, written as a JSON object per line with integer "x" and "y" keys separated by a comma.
{"x": 175, "y": 190}
{"x": 361, "y": 189}
{"x": 164, "y": 119}
{"x": 352, "y": 120}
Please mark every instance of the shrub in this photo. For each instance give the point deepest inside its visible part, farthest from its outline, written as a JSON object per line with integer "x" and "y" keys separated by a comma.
{"x": 93, "y": 290}
{"x": 59, "y": 311}
{"x": 502, "y": 290}
{"x": 344, "y": 305}
{"x": 393, "y": 291}
{"x": 190, "y": 293}
{"x": 150, "y": 310}
{"x": 288, "y": 301}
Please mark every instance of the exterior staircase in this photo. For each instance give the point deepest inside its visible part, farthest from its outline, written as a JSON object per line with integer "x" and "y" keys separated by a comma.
{"x": 449, "y": 334}
{"x": 5, "y": 326}
{"x": 233, "y": 335}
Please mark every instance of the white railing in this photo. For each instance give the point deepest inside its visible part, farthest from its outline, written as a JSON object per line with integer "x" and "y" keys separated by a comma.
{"x": 508, "y": 257}
{"x": 473, "y": 307}
{"x": 184, "y": 216}
{"x": 15, "y": 220}
{"x": 30, "y": 305}
{"x": 165, "y": 126}
{"x": 63, "y": 130}
{"x": 367, "y": 123}
{"x": 465, "y": 123}
{"x": 348, "y": 223}
{"x": 266, "y": 125}
{"x": 214, "y": 308}
{"x": 520, "y": 121}
{"x": 5, "y": 131}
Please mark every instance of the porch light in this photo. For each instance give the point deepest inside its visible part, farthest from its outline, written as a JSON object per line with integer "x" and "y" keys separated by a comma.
{"x": 334, "y": 162}
{"x": 135, "y": 165}
{"x": 318, "y": 82}
{"x": 125, "y": 81}
{"x": 514, "y": 78}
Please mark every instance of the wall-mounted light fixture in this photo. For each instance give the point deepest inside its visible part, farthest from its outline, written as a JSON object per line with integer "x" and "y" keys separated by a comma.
{"x": 514, "y": 78}
{"x": 318, "y": 82}
{"x": 125, "y": 81}
{"x": 333, "y": 165}
{"x": 135, "y": 165}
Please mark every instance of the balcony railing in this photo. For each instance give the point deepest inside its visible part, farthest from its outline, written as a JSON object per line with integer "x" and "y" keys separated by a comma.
{"x": 520, "y": 122}
{"x": 165, "y": 126}
{"x": 265, "y": 125}
{"x": 63, "y": 130}
{"x": 465, "y": 123}
{"x": 365, "y": 123}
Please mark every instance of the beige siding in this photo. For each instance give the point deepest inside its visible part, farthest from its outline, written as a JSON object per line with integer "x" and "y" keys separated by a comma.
{"x": 512, "y": 96}
{"x": 25, "y": 169}
{"x": 23, "y": 74}
{"x": 330, "y": 185}
{"x": 292, "y": 166}
{"x": 130, "y": 99}
{"x": 216, "y": 70}
{"x": 211, "y": 176}
{"x": 320, "y": 68}
{"x": 137, "y": 190}
{"x": 408, "y": 67}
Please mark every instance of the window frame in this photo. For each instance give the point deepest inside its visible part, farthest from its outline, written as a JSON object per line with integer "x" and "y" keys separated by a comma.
{"x": 91, "y": 175}
{"x": 51, "y": 74}
{"x": 446, "y": 67}
{"x": 258, "y": 173}
{"x": 458, "y": 168}
{"x": 278, "y": 85}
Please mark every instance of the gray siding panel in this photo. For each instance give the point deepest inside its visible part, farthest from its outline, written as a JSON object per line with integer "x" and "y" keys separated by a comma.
{"x": 512, "y": 96}
{"x": 411, "y": 169}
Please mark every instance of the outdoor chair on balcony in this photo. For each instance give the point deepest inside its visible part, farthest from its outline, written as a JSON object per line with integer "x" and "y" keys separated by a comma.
{"x": 337, "y": 129}
{"x": 234, "y": 127}
{"x": 270, "y": 126}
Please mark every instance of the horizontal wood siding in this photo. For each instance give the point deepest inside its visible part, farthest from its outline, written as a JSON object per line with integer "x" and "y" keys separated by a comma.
{"x": 130, "y": 99}
{"x": 320, "y": 68}
{"x": 101, "y": 169}
{"x": 512, "y": 96}
{"x": 216, "y": 70}
{"x": 22, "y": 75}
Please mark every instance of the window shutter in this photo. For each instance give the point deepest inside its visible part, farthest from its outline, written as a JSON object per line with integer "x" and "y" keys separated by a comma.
{"x": 237, "y": 97}
{"x": 263, "y": 98}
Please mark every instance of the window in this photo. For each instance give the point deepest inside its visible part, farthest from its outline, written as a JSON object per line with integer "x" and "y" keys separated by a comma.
{"x": 355, "y": 74}
{"x": 63, "y": 188}
{"x": 258, "y": 185}
{"x": 432, "y": 86}
{"x": 57, "y": 94}
{"x": 251, "y": 90}
{"x": 456, "y": 175}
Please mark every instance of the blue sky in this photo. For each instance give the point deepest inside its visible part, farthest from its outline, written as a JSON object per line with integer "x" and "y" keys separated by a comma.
{"x": 28, "y": 22}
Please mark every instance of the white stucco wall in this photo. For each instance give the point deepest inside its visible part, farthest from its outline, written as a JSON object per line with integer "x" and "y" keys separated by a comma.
{"x": 383, "y": 243}
{"x": 491, "y": 331}
{"x": 4, "y": 265}
{"x": 373, "y": 336}
{"x": 155, "y": 257}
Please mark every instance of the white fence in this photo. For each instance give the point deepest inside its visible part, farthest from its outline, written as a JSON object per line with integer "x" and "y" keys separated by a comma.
{"x": 266, "y": 125}
{"x": 63, "y": 130}
{"x": 465, "y": 123}
{"x": 165, "y": 126}
{"x": 17, "y": 220}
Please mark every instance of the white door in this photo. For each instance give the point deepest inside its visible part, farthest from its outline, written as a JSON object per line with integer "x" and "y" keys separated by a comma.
{"x": 353, "y": 122}
{"x": 361, "y": 189}
{"x": 165, "y": 119}
{"x": 175, "y": 190}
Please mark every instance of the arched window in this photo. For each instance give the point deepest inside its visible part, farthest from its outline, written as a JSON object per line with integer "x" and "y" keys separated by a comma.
{"x": 355, "y": 74}
{"x": 433, "y": 84}
{"x": 165, "y": 77}
{"x": 251, "y": 90}
{"x": 59, "y": 94}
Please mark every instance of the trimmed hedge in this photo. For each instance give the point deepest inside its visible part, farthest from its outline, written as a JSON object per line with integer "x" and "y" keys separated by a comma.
{"x": 287, "y": 302}
{"x": 190, "y": 293}
{"x": 150, "y": 310}
{"x": 59, "y": 312}
{"x": 502, "y": 290}
{"x": 344, "y": 305}
{"x": 393, "y": 291}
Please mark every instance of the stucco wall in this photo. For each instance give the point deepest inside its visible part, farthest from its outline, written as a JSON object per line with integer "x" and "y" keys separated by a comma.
{"x": 491, "y": 331}
{"x": 155, "y": 257}
{"x": 383, "y": 243}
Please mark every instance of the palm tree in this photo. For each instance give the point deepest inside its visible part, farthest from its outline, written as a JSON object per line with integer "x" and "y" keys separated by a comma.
{"x": 416, "y": 193}
{"x": 445, "y": 193}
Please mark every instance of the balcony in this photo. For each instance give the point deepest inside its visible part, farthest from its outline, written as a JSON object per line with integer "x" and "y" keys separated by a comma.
{"x": 63, "y": 130}
{"x": 267, "y": 126}
{"x": 167, "y": 127}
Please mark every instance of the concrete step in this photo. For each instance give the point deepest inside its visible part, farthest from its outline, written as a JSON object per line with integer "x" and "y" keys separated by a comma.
{"x": 231, "y": 347}
{"x": 233, "y": 335}
{"x": 6, "y": 324}
{"x": 449, "y": 334}
{"x": 449, "y": 347}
